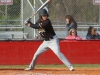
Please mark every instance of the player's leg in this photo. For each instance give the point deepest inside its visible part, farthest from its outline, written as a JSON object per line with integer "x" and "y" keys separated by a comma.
{"x": 54, "y": 45}
{"x": 42, "y": 48}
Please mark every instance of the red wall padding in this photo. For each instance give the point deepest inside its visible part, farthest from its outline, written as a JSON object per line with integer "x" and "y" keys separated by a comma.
{"x": 21, "y": 52}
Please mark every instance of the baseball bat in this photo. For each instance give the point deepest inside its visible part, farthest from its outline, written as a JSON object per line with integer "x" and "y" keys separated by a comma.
{"x": 40, "y": 8}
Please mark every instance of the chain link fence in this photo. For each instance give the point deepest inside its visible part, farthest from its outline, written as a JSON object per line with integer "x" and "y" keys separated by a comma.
{"x": 11, "y": 19}
{"x": 11, "y": 15}
{"x": 83, "y": 11}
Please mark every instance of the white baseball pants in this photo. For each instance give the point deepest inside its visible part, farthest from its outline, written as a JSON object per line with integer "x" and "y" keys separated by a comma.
{"x": 53, "y": 44}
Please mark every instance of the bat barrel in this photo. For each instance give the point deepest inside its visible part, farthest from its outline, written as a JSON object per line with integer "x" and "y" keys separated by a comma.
{"x": 44, "y": 4}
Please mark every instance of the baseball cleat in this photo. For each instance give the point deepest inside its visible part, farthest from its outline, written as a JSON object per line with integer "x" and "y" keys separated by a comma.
{"x": 27, "y": 69}
{"x": 71, "y": 68}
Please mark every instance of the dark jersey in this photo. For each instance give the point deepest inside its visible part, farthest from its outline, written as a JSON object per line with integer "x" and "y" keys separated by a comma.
{"x": 46, "y": 24}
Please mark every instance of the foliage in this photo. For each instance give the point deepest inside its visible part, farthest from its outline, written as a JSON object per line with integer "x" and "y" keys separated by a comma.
{"x": 81, "y": 10}
{"x": 13, "y": 11}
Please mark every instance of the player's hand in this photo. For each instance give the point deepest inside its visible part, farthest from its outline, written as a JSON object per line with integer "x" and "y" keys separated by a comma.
{"x": 27, "y": 22}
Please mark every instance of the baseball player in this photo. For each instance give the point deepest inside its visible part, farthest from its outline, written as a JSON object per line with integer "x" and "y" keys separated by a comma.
{"x": 50, "y": 39}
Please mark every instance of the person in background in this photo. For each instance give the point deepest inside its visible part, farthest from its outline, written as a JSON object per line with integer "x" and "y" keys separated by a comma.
{"x": 70, "y": 23}
{"x": 92, "y": 34}
{"x": 73, "y": 35}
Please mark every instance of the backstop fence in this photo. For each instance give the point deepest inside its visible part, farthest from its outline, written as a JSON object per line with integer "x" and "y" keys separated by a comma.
{"x": 84, "y": 12}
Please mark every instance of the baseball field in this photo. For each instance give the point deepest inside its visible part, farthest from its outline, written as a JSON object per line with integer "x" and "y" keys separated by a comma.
{"x": 80, "y": 69}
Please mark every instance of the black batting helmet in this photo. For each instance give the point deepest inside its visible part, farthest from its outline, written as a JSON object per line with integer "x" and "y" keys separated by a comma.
{"x": 43, "y": 12}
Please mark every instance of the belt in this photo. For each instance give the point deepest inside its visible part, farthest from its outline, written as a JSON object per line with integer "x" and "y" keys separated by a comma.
{"x": 48, "y": 39}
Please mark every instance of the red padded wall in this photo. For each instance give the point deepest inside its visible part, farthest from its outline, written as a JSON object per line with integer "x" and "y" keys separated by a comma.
{"x": 77, "y": 52}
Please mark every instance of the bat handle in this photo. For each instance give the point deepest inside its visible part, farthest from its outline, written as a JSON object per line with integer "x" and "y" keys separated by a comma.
{"x": 33, "y": 15}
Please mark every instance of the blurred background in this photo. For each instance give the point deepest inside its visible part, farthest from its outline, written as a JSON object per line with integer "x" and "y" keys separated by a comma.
{"x": 13, "y": 13}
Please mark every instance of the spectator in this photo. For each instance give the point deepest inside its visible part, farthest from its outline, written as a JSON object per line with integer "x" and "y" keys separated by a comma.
{"x": 70, "y": 23}
{"x": 73, "y": 35}
{"x": 92, "y": 34}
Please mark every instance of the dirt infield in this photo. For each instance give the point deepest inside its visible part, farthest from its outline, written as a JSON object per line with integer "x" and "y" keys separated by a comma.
{"x": 51, "y": 71}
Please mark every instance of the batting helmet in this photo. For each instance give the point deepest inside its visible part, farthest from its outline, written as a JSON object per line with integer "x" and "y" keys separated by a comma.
{"x": 43, "y": 12}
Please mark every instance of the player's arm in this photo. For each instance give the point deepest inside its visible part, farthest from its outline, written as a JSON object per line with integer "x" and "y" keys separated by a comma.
{"x": 39, "y": 24}
{"x": 35, "y": 26}
{"x": 30, "y": 24}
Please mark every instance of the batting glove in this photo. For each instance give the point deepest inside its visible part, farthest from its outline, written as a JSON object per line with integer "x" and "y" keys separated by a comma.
{"x": 27, "y": 21}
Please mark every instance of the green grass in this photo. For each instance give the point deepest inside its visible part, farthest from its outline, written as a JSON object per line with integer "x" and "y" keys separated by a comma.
{"x": 87, "y": 65}
{"x": 50, "y": 66}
